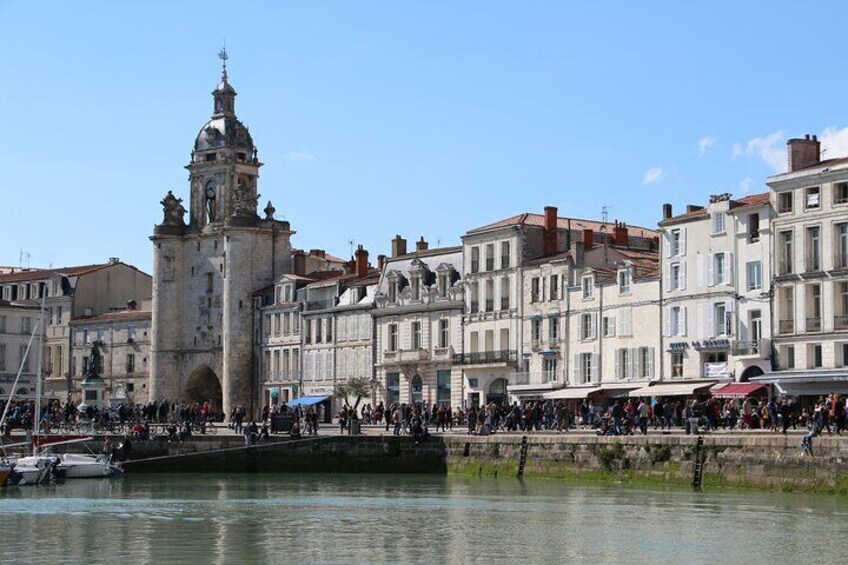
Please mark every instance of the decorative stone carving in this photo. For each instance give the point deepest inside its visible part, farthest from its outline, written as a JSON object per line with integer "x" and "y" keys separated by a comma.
{"x": 244, "y": 203}
{"x": 269, "y": 211}
{"x": 173, "y": 210}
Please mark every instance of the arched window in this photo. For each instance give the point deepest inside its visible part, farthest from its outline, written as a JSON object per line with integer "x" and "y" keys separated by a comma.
{"x": 23, "y": 391}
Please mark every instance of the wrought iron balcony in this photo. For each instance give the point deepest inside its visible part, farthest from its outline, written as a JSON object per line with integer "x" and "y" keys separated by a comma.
{"x": 786, "y": 326}
{"x": 840, "y": 322}
{"x": 749, "y": 348}
{"x": 506, "y": 357}
{"x": 814, "y": 324}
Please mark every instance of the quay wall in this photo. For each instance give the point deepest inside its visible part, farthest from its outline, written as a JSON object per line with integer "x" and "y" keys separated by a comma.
{"x": 752, "y": 460}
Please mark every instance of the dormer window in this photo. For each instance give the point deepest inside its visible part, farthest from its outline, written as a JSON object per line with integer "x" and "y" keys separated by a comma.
{"x": 624, "y": 279}
{"x": 415, "y": 288}
{"x": 393, "y": 290}
{"x": 588, "y": 284}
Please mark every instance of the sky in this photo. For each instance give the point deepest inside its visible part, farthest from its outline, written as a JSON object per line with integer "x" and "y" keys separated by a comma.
{"x": 413, "y": 118}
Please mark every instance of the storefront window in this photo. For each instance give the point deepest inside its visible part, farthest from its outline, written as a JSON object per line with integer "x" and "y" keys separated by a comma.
{"x": 392, "y": 389}
{"x": 443, "y": 379}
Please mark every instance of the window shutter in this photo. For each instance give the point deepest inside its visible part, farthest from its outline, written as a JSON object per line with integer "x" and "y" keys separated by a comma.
{"x": 650, "y": 372}
{"x": 710, "y": 321}
{"x": 612, "y": 322}
{"x": 701, "y": 322}
{"x": 594, "y": 327}
{"x": 575, "y": 369}
{"x": 667, "y": 323}
{"x": 699, "y": 267}
{"x": 728, "y": 317}
{"x": 729, "y": 270}
{"x": 681, "y": 324}
{"x": 682, "y": 241}
{"x": 595, "y": 376}
{"x": 682, "y": 283}
{"x": 628, "y": 320}
{"x": 710, "y": 263}
{"x": 667, "y": 278}
{"x": 581, "y": 321}
{"x": 632, "y": 363}
{"x": 667, "y": 244}
{"x": 618, "y": 374}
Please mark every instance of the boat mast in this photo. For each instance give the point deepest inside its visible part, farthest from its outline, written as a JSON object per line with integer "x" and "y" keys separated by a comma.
{"x": 37, "y": 423}
{"x": 21, "y": 368}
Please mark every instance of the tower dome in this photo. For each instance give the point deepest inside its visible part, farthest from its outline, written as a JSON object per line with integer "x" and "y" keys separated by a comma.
{"x": 224, "y": 130}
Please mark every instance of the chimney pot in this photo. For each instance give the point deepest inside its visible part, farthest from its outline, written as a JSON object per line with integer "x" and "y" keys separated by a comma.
{"x": 588, "y": 239}
{"x": 803, "y": 152}
{"x": 667, "y": 211}
{"x": 550, "y": 231}
{"x": 381, "y": 261}
{"x": 361, "y": 262}
{"x": 398, "y": 246}
{"x": 421, "y": 245}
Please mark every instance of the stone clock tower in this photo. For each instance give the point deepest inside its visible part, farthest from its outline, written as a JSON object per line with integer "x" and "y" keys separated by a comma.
{"x": 206, "y": 269}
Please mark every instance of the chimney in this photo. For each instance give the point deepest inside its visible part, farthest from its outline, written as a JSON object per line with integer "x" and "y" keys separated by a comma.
{"x": 667, "y": 211}
{"x": 299, "y": 262}
{"x": 361, "y": 262}
{"x": 421, "y": 245}
{"x": 803, "y": 152}
{"x": 588, "y": 239}
{"x": 550, "y": 231}
{"x": 381, "y": 261}
{"x": 693, "y": 208}
{"x": 349, "y": 267}
{"x": 318, "y": 253}
{"x": 398, "y": 246}
{"x": 619, "y": 234}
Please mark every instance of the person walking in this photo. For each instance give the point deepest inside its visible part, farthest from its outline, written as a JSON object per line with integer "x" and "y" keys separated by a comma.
{"x": 644, "y": 412}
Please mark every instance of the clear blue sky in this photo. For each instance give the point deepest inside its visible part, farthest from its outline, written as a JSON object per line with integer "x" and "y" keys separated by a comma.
{"x": 426, "y": 118}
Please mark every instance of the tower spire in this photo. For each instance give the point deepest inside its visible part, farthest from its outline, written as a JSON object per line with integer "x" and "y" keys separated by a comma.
{"x": 225, "y": 104}
{"x": 222, "y": 54}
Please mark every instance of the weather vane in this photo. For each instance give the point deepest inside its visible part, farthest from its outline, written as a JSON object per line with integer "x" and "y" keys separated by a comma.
{"x": 223, "y": 56}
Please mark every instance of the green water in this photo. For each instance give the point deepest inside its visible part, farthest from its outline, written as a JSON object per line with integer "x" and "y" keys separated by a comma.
{"x": 416, "y": 519}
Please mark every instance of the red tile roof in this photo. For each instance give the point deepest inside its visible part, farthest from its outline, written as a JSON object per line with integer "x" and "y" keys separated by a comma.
{"x": 751, "y": 200}
{"x": 120, "y": 316}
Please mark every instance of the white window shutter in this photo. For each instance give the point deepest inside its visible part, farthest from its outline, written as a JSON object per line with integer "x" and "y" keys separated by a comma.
{"x": 612, "y": 322}
{"x": 699, "y": 267}
{"x": 710, "y": 263}
{"x": 580, "y": 329}
{"x": 631, "y": 361}
{"x": 682, "y": 242}
{"x": 628, "y": 317}
{"x": 618, "y": 374}
{"x": 650, "y": 372}
{"x": 594, "y": 328}
{"x": 681, "y": 324}
{"x": 667, "y": 329}
{"x": 701, "y": 322}
{"x": 667, "y": 278}
{"x": 575, "y": 369}
{"x": 729, "y": 269}
{"x": 710, "y": 321}
{"x": 595, "y": 365}
{"x": 667, "y": 244}
{"x": 682, "y": 283}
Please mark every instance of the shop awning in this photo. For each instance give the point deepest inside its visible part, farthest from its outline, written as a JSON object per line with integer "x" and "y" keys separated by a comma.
{"x": 807, "y": 383}
{"x": 738, "y": 390}
{"x": 572, "y": 393}
{"x": 307, "y": 401}
{"x": 620, "y": 390}
{"x": 673, "y": 389}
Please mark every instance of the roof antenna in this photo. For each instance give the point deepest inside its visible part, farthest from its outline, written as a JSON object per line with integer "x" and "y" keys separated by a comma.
{"x": 605, "y": 213}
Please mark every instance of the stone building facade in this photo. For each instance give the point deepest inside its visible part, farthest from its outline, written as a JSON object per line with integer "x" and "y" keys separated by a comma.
{"x": 418, "y": 326}
{"x": 17, "y": 323}
{"x": 206, "y": 269}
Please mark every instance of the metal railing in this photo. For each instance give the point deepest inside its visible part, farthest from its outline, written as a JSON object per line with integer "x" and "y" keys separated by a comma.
{"x": 840, "y": 322}
{"x": 490, "y": 263}
{"x": 490, "y": 305}
{"x": 786, "y": 326}
{"x": 504, "y": 303}
{"x": 485, "y": 357}
{"x": 814, "y": 324}
{"x": 746, "y": 348}
{"x": 321, "y": 304}
{"x": 533, "y": 378}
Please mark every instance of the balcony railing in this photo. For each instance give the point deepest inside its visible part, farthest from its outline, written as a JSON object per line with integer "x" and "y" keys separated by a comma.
{"x": 840, "y": 322}
{"x": 475, "y": 266}
{"x": 533, "y": 378}
{"x": 321, "y": 304}
{"x": 743, "y": 348}
{"x": 490, "y": 305}
{"x": 475, "y": 307}
{"x": 814, "y": 324}
{"x": 486, "y": 357}
{"x": 504, "y": 303}
{"x": 786, "y": 326}
{"x": 490, "y": 263}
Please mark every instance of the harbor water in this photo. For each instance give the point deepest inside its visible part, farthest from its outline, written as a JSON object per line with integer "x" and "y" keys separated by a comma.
{"x": 414, "y": 519}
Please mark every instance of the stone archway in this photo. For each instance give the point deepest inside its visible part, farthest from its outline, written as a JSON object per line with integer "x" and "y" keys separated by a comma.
{"x": 497, "y": 392}
{"x": 417, "y": 389}
{"x": 203, "y": 385}
{"x": 749, "y": 373}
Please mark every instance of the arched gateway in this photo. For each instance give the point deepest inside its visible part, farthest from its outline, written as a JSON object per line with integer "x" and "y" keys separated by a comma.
{"x": 203, "y": 385}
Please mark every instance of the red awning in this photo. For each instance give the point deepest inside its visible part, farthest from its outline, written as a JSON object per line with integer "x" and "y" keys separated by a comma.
{"x": 738, "y": 390}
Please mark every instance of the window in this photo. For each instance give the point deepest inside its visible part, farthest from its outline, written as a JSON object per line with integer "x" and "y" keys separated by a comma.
{"x": 444, "y": 332}
{"x": 505, "y": 293}
{"x": 813, "y": 249}
{"x": 587, "y": 326}
{"x": 2, "y": 356}
{"x": 307, "y": 331}
{"x": 790, "y": 357}
{"x": 609, "y": 326}
{"x": 329, "y": 330}
{"x": 26, "y": 325}
{"x": 549, "y": 369}
{"x": 536, "y": 330}
{"x": 755, "y": 275}
{"x": 753, "y": 227}
{"x": 24, "y": 359}
{"x": 841, "y": 246}
{"x": 473, "y": 297}
{"x": 720, "y": 269}
{"x": 674, "y": 278}
{"x": 130, "y": 363}
{"x": 676, "y": 363}
{"x": 623, "y": 282}
{"x": 784, "y": 202}
{"x": 319, "y": 327}
{"x": 718, "y": 222}
{"x": 676, "y": 242}
{"x": 416, "y": 335}
{"x": 624, "y": 364}
{"x": 816, "y": 357}
{"x": 490, "y": 256}
{"x": 392, "y": 389}
{"x": 720, "y": 319}
{"x": 210, "y": 282}
{"x": 534, "y": 290}
{"x": 841, "y": 319}
{"x": 475, "y": 259}
{"x": 2, "y": 324}
{"x": 588, "y": 287}
{"x": 444, "y": 283}
{"x": 840, "y": 193}
{"x": 585, "y": 367}
{"x": 393, "y": 337}
{"x": 625, "y": 321}
{"x": 504, "y": 255}
{"x": 393, "y": 291}
{"x": 785, "y": 252}
{"x": 677, "y": 321}
{"x": 812, "y": 198}
{"x": 553, "y": 328}
{"x": 814, "y": 308}
{"x": 554, "y": 287}
{"x": 646, "y": 362}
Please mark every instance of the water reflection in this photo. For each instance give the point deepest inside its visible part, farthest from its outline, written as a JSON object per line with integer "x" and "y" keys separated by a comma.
{"x": 358, "y": 518}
